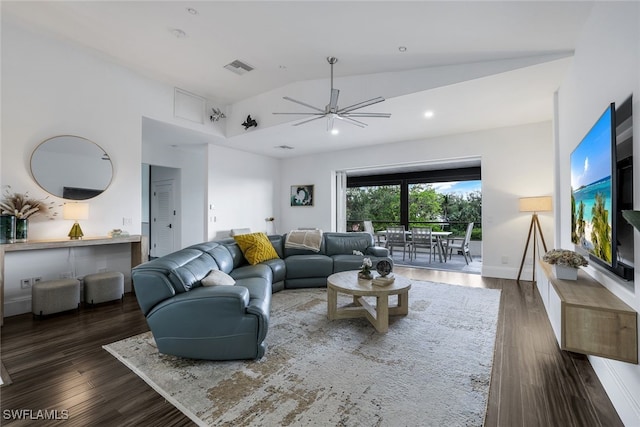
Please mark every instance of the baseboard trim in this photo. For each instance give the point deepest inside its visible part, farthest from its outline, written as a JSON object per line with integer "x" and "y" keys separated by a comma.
{"x": 498, "y": 272}
{"x": 620, "y": 388}
{"x": 15, "y": 306}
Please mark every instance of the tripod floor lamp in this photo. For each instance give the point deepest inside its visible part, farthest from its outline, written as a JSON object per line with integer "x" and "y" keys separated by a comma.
{"x": 535, "y": 205}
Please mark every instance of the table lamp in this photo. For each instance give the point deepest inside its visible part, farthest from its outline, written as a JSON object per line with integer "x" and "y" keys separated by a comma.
{"x": 76, "y": 212}
{"x": 535, "y": 205}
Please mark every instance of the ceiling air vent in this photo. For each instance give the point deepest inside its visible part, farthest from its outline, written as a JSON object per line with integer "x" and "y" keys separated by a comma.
{"x": 238, "y": 67}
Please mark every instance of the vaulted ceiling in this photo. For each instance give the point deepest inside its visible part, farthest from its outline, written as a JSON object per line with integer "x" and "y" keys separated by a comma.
{"x": 474, "y": 64}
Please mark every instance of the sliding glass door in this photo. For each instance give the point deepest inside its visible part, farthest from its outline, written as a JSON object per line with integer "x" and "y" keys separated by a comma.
{"x": 445, "y": 200}
{"x": 377, "y": 203}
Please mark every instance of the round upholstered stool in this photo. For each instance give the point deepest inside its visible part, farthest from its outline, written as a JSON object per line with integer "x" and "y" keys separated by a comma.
{"x": 102, "y": 287}
{"x": 55, "y": 296}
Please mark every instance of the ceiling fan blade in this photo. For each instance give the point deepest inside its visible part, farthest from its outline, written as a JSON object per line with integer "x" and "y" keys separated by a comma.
{"x": 303, "y": 114}
{"x": 361, "y": 105}
{"x": 383, "y": 115}
{"x": 309, "y": 120}
{"x": 352, "y": 121}
{"x": 302, "y": 103}
{"x": 333, "y": 102}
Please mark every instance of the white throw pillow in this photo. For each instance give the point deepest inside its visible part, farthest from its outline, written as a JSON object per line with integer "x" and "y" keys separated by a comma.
{"x": 217, "y": 278}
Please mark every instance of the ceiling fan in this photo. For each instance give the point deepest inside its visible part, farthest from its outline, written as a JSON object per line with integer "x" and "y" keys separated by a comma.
{"x": 331, "y": 110}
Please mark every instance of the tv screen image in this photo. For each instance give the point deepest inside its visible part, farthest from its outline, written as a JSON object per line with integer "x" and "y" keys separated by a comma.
{"x": 592, "y": 189}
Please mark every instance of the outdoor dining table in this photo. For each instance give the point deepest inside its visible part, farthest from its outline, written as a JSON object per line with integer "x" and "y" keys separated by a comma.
{"x": 439, "y": 236}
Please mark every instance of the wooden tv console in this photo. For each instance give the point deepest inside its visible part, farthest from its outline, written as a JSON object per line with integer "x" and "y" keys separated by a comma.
{"x": 587, "y": 318}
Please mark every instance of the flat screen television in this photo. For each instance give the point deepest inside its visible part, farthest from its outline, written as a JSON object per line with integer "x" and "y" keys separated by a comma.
{"x": 593, "y": 191}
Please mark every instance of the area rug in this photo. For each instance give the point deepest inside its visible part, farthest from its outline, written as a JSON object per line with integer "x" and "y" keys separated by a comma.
{"x": 432, "y": 368}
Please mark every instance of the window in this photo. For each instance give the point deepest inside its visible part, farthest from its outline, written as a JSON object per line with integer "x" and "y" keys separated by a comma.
{"x": 444, "y": 200}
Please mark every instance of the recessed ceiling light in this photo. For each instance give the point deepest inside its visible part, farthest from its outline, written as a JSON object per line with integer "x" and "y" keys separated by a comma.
{"x": 402, "y": 48}
{"x": 428, "y": 114}
{"x": 334, "y": 131}
{"x": 192, "y": 11}
{"x": 178, "y": 33}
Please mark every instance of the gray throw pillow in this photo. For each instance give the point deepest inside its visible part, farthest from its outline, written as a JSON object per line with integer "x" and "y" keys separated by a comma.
{"x": 218, "y": 278}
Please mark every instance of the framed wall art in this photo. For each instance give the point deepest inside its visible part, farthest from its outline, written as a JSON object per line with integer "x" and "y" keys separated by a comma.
{"x": 302, "y": 195}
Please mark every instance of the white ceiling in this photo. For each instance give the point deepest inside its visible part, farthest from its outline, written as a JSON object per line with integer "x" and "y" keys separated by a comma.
{"x": 288, "y": 42}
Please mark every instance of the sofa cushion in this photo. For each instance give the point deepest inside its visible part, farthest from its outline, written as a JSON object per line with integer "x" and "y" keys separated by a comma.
{"x": 306, "y": 282}
{"x": 256, "y": 247}
{"x": 189, "y": 275}
{"x": 217, "y": 278}
{"x": 278, "y": 268}
{"x": 354, "y": 262}
{"x": 304, "y": 266}
{"x": 259, "y": 288}
{"x": 277, "y": 240}
{"x": 346, "y": 243}
{"x": 259, "y": 270}
{"x": 220, "y": 253}
{"x": 234, "y": 251}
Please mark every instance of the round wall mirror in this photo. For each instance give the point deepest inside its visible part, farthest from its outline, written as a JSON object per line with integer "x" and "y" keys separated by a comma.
{"x": 71, "y": 167}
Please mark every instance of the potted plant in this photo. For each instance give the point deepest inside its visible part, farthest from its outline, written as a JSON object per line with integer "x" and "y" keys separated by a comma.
{"x": 22, "y": 207}
{"x": 365, "y": 269}
{"x": 565, "y": 263}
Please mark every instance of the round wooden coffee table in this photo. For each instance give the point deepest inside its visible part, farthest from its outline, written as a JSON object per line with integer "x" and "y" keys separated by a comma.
{"x": 347, "y": 282}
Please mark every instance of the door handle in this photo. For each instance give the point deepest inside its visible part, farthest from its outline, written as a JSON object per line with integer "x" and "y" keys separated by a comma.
{"x": 169, "y": 226}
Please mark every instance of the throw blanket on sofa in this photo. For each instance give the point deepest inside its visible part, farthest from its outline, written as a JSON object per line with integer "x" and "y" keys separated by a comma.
{"x": 304, "y": 239}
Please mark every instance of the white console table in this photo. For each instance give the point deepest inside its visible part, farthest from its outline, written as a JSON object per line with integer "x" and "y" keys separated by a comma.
{"x": 139, "y": 252}
{"x": 587, "y": 318}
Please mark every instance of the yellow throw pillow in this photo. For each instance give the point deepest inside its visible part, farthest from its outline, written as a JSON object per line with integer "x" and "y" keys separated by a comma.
{"x": 256, "y": 247}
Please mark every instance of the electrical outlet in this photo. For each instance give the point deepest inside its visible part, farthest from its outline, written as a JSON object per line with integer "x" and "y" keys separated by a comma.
{"x": 35, "y": 280}
{"x": 127, "y": 221}
{"x": 505, "y": 259}
{"x": 25, "y": 283}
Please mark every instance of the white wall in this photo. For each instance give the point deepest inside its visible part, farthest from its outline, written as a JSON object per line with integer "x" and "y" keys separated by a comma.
{"x": 243, "y": 191}
{"x": 50, "y": 88}
{"x": 190, "y": 187}
{"x": 516, "y": 162}
{"x": 606, "y": 69}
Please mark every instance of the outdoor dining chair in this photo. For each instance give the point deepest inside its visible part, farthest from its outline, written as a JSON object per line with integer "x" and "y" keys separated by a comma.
{"x": 421, "y": 238}
{"x": 396, "y": 237}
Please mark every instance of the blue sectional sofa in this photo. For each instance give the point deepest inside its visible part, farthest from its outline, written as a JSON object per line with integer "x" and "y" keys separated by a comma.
{"x": 231, "y": 322}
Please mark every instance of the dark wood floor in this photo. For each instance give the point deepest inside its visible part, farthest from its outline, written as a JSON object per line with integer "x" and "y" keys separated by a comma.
{"x": 58, "y": 364}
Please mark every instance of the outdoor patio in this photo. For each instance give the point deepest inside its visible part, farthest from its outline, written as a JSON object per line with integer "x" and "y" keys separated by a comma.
{"x": 456, "y": 263}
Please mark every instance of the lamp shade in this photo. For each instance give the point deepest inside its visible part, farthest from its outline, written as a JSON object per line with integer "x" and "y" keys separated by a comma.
{"x": 75, "y": 211}
{"x": 536, "y": 204}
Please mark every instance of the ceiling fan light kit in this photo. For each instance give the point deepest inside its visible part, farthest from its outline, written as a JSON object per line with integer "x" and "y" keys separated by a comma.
{"x": 332, "y": 112}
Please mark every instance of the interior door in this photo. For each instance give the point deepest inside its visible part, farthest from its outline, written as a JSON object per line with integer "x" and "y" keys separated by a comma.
{"x": 163, "y": 213}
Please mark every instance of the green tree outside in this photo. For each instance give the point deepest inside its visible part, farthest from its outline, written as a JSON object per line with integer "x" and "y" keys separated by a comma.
{"x": 381, "y": 204}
